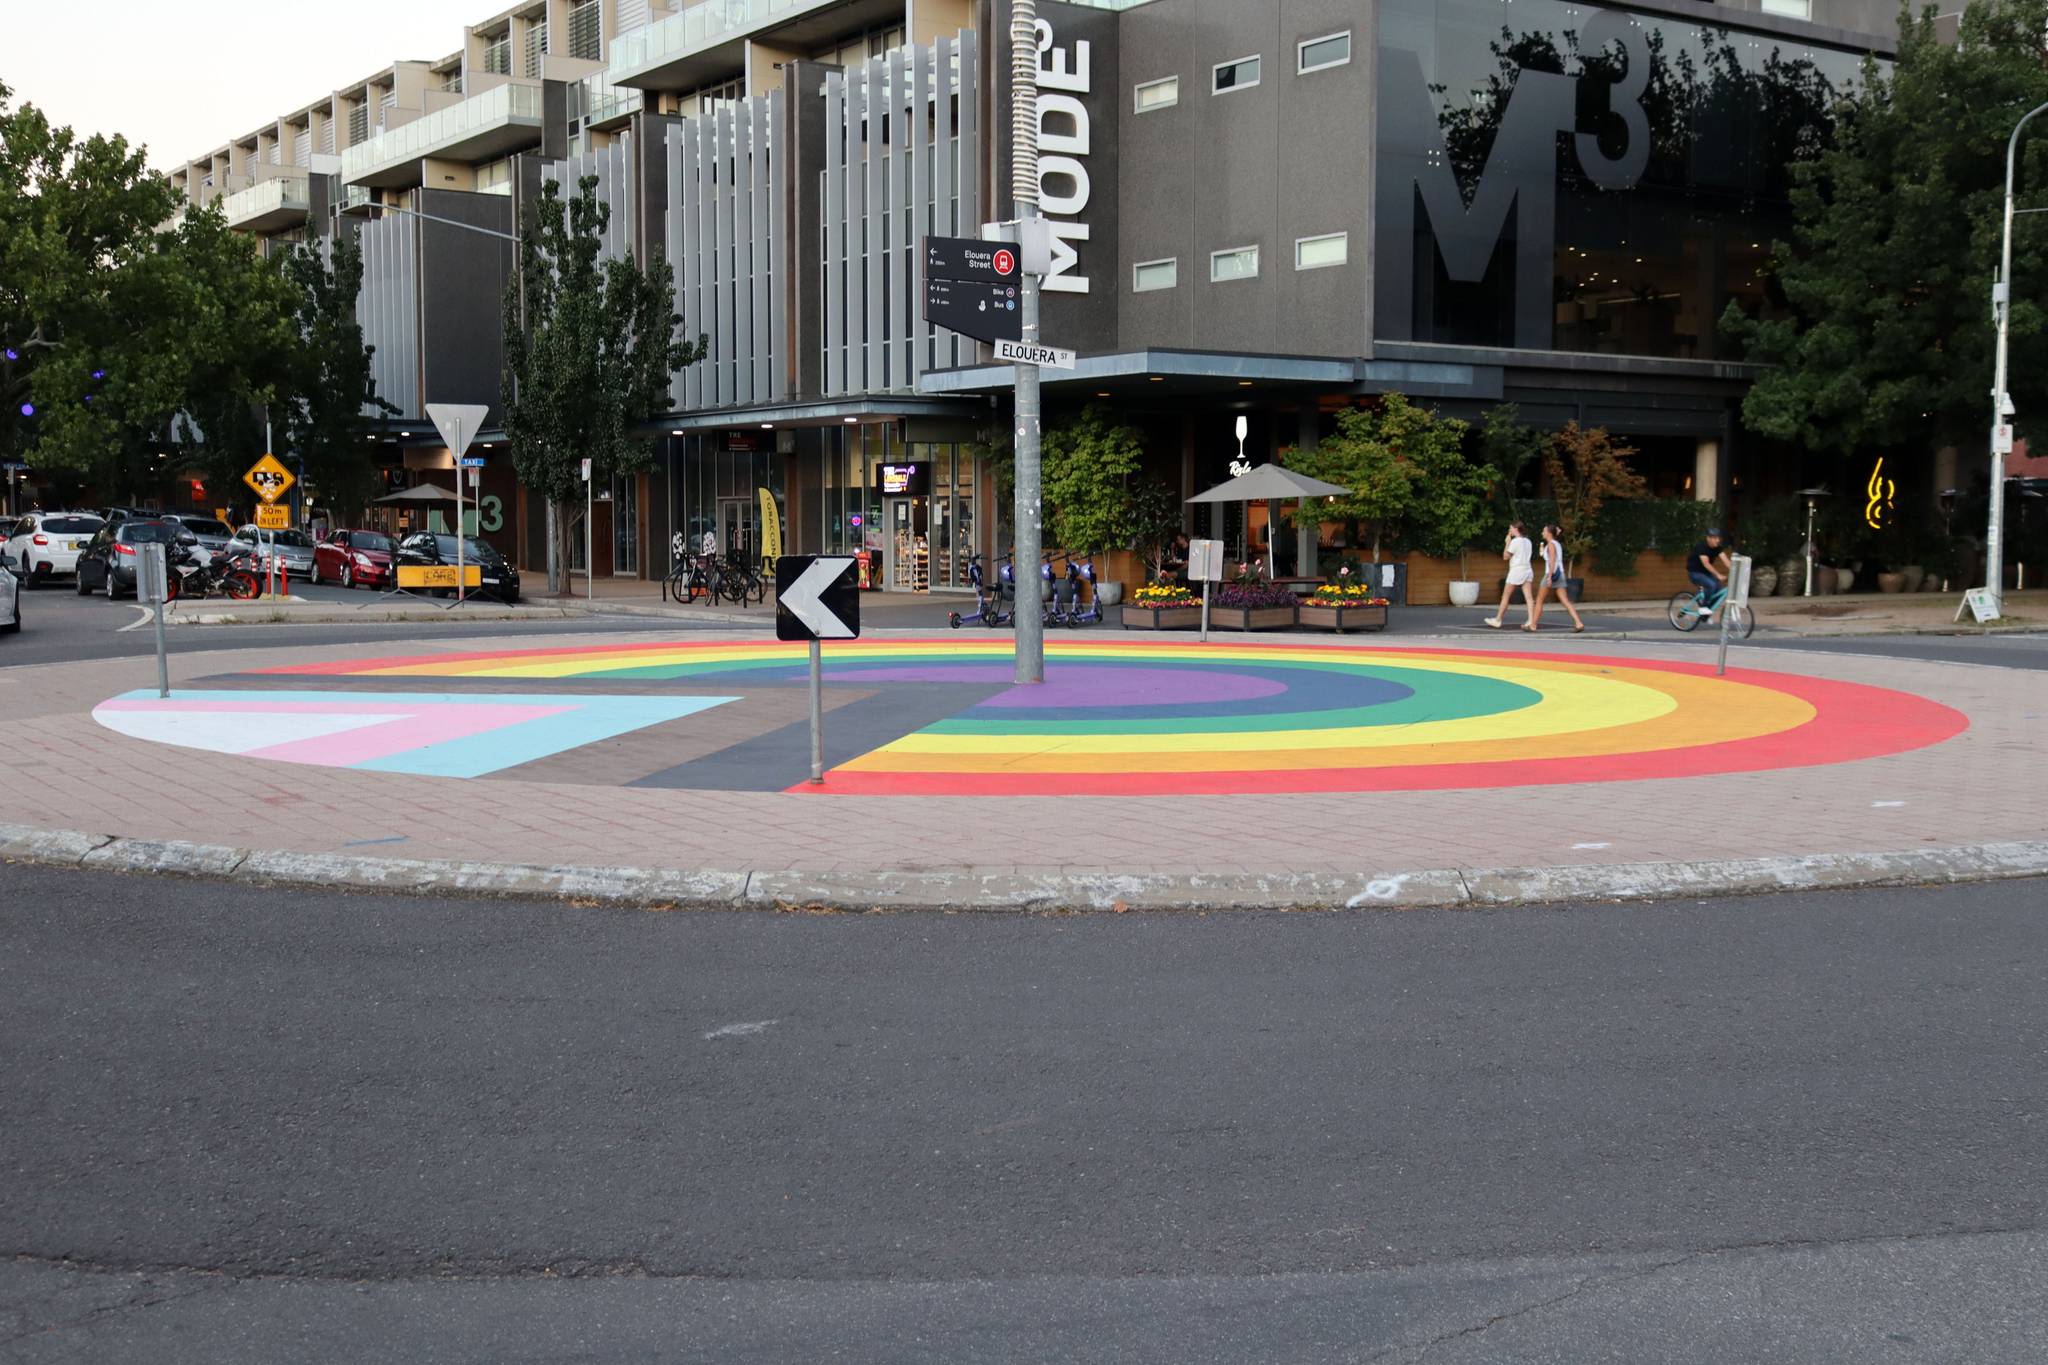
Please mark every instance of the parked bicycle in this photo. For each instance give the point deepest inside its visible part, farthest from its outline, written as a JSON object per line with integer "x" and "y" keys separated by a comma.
{"x": 1688, "y": 609}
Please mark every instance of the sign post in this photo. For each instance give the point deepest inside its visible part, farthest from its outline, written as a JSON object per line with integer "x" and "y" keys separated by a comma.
{"x": 272, "y": 481}
{"x": 816, "y": 599}
{"x": 458, "y": 424}
{"x": 1737, "y": 600}
{"x": 589, "y": 516}
{"x": 1205, "y": 564}
{"x": 153, "y": 586}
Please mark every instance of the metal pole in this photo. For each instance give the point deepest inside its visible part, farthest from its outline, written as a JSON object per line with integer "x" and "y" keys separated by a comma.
{"x": 1024, "y": 189}
{"x": 461, "y": 575}
{"x": 589, "y": 554}
{"x": 161, "y": 575}
{"x": 1205, "y": 611}
{"x": 1809, "y": 548}
{"x": 817, "y": 714}
{"x": 2001, "y": 305}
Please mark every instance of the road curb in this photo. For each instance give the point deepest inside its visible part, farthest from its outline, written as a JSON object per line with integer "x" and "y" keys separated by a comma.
{"x": 912, "y": 890}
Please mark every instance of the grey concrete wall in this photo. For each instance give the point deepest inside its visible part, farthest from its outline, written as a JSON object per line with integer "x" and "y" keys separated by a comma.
{"x": 1285, "y": 159}
{"x": 463, "y": 276}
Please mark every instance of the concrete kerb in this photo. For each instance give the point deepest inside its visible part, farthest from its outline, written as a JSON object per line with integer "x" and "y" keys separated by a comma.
{"x": 629, "y": 887}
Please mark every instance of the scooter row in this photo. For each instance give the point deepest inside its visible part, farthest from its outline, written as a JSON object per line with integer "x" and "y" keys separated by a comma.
{"x": 996, "y": 604}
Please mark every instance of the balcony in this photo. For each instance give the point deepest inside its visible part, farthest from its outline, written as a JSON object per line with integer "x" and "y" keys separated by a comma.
{"x": 494, "y": 123}
{"x": 269, "y": 205}
{"x": 706, "y": 43}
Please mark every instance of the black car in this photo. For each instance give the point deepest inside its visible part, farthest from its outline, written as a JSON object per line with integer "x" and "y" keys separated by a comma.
{"x": 108, "y": 559}
{"x": 500, "y": 579}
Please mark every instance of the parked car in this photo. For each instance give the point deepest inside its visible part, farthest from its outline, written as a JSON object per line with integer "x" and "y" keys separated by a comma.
{"x": 500, "y": 579}
{"x": 213, "y": 533}
{"x": 108, "y": 559}
{"x": 294, "y": 548}
{"x": 45, "y": 545}
{"x": 114, "y": 514}
{"x": 10, "y": 601}
{"x": 354, "y": 558}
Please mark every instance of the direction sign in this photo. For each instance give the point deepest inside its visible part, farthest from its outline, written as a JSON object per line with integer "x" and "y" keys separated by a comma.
{"x": 988, "y": 311}
{"x": 1050, "y": 357}
{"x": 270, "y": 479}
{"x": 815, "y": 598}
{"x": 269, "y": 518}
{"x": 458, "y": 423}
{"x": 970, "y": 258}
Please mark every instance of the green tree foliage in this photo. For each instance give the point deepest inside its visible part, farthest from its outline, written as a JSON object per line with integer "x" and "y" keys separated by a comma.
{"x": 1507, "y": 448}
{"x": 590, "y": 345}
{"x": 1586, "y": 469}
{"x": 325, "y": 413}
{"x": 1895, "y": 243}
{"x": 1450, "y": 502}
{"x": 1088, "y": 470}
{"x": 1383, "y": 455}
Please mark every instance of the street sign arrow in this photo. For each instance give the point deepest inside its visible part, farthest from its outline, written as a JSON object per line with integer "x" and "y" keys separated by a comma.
{"x": 458, "y": 423}
{"x": 815, "y": 598}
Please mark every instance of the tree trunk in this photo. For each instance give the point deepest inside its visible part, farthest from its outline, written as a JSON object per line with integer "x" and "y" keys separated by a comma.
{"x": 565, "y": 550}
{"x": 558, "y": 568}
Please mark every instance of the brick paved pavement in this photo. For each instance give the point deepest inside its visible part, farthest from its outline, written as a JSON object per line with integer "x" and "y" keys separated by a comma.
{"x": 1985, "y": 785}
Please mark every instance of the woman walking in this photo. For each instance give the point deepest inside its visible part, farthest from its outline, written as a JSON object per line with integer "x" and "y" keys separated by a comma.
{"x": 1553, "y": 581}
{"x": 1516, "y": 552}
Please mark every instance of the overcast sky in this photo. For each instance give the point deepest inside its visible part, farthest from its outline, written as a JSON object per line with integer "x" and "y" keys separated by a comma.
{"x": 185, "y": 76}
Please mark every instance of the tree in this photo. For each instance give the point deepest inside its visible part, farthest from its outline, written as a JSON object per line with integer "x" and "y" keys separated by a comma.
{"x": 590, "y": 345}
{"x": 1895, "y": 238}
{"x": 1449, "y": 505}
{"x": 1088, "y": 468}
{"x": 325, "y": 414}
{"x": 1507, "y": 448}
{"x": 1382, "y": 455}
{"x": 1586, "y": 468}
{"x": 1155, "y": 523}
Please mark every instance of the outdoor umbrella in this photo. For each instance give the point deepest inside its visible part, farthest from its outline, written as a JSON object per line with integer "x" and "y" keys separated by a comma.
{"x": 425, "y": 492}
{"x": 1269, "y": 483}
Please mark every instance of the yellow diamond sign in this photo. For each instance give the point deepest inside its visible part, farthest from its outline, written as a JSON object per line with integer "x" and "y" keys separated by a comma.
{"x": 270, "y": 479}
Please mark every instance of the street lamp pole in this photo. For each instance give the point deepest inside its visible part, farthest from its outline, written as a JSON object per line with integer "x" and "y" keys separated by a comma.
{"x": 1024, "y": 189}
{"x": 2001, "y": 401}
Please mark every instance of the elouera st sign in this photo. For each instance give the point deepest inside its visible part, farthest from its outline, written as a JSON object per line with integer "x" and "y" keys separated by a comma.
{"x": 1023, "y": 353}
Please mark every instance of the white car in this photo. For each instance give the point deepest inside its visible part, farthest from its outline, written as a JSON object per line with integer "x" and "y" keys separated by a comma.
{"x": 45, "y": 545}
{"x": 10, "y": 601}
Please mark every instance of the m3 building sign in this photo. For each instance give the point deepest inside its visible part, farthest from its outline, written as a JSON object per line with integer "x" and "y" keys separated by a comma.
{"x": 1520, "y": 176}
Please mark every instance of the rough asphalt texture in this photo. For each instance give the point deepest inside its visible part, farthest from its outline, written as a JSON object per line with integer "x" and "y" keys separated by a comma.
{"x": 254, "y": 1126}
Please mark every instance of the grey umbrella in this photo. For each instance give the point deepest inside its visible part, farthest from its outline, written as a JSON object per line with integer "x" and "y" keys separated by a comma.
{"x": 1269, "y": 483}
{"x": 425, "y": 492}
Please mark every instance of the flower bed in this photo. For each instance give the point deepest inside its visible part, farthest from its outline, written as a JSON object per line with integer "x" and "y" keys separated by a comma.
{"x": 1342, "y": 607}
{"x": 1253, "y": 606}
{"x": 1137, "y": 617}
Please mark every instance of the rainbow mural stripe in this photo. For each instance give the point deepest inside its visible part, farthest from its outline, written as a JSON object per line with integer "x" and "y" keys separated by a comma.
{"x": 1143, "y": 717}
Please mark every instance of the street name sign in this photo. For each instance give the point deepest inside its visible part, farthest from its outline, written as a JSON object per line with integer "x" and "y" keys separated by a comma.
{"x": 987, "y": 310}
{"x": 816, "y": 598}
{"x": 1023, "y": 353}
{"x": 269, "y": 478}
{"x": 970, "y": 258}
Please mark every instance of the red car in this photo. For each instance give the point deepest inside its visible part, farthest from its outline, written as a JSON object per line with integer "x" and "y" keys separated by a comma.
{"x": 353, "y": 558}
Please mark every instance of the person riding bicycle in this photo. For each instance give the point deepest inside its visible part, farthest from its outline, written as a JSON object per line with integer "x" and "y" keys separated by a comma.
{"x": 1708, "y": 568}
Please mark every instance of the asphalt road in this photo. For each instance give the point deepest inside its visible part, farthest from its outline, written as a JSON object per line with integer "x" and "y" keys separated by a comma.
{"x": 244, "y": 1126}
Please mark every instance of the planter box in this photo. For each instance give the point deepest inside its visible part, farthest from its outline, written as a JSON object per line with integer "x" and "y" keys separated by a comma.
{"x": 1161, "y": 618}
{"x": 1250, "y": 618}
{"x": 1315, "y": 617}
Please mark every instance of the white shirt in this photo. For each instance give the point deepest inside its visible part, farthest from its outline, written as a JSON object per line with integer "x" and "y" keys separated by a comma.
{"x": 1518, "y": 559}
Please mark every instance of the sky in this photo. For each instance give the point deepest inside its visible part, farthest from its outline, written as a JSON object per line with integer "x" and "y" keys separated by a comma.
{"x": 185, "y": 76}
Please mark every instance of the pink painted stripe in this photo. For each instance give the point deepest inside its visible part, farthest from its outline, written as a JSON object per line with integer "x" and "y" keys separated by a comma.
{"x": 405, "y": 734}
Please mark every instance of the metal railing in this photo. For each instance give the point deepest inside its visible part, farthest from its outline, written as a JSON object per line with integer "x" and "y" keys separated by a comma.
{"x": 493, "y": 108}
{"x": 279, "y": 192}
{"x": 702, "y": 25}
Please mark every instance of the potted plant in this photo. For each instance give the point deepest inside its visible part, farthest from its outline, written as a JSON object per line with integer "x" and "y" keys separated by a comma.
{"x": 1342, "y": 607}
{"x": 1249, "y": 602}
{"x": 1163, "y": 606}
{"x": 1586, "y": 468}
{"x": 1449, "y": 505}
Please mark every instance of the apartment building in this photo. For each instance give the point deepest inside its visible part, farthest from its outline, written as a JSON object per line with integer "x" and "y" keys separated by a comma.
{"x": 1275, "y": 210}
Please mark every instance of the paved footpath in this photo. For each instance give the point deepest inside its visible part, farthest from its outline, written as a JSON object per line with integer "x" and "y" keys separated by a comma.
{"x": 1147, "y": 772}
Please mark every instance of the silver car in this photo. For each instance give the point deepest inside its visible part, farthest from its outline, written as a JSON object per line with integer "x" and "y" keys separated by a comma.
{"x": 294, "y": 548}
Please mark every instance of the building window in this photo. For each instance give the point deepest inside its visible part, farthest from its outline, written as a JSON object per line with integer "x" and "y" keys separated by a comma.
{"x": 1160, "y": 94}
{"x": 1791, "y": 9}
{"x": 498, "y": 55}
{"x": 1313, "y": 253}
{"x": 1241, "y": 74}
{"x": 1318, "y": 54}
{"x": 1238, "y": 263}
{"x": 1150, "y": 275}
{"x": 586, "y": 38}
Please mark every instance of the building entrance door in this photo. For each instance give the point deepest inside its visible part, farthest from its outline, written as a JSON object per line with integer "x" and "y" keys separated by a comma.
{"x": 907, "y": 545}
{"x": 739, "y": 528}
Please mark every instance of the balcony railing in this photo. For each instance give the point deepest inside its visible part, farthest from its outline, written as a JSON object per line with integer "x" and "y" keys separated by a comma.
{"x": 700, "y": 27}
{"x": 498, "y": 107}
{"x": 282, "y": 197}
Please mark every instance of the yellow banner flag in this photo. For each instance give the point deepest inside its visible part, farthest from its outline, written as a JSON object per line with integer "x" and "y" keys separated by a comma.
{"x": 771, "y": 532}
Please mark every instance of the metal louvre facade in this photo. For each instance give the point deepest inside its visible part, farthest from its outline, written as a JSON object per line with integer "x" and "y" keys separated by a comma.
{"x": 388, "y": 308}
{"x": 613, "y": 167}
{"x": 900, "y": 163}
{"x": 726, "y": 224}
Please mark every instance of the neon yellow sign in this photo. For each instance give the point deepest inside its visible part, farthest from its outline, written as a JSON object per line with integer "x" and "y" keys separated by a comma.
{"x": 1877, "y": 512}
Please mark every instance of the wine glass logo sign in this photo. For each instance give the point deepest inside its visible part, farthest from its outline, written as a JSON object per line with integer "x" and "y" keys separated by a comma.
{"x": 1879, "y": 509}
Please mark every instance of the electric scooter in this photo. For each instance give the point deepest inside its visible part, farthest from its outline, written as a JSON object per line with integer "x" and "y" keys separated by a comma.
{"x": 987, "y": 602}
{"x": 1079, "y": 571}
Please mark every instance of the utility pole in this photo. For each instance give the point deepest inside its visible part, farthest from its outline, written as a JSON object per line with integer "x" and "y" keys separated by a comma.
{"x": 2001, "y": 401}
{"x": 1024, "y": 189}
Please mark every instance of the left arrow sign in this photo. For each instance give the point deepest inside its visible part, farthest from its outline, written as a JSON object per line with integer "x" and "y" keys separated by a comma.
{"x": 818, "y": 593}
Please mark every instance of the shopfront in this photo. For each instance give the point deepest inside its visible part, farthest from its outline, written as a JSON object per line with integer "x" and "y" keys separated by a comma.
{"x": 913, "y": 508}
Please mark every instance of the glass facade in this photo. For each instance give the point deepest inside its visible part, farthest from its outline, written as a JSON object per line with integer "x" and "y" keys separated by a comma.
{"x": 911, "y": 507}
{"x": 1563, "y": 178}
{"x": 717, "y": 486}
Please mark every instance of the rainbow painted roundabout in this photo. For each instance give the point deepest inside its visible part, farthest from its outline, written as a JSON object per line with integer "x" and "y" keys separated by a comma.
{"x": 1115, "y": 717}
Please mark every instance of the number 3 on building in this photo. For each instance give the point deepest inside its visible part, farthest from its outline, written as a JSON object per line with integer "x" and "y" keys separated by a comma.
{"x": 490, "y": 513}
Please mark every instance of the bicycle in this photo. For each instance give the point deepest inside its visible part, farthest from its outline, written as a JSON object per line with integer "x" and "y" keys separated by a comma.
{"x": 741, "y": 581}
{"x": 1688, "y": 609}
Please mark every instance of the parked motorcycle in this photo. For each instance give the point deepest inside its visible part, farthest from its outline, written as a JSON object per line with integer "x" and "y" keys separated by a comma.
{"x": 226, "y": 575}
